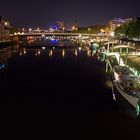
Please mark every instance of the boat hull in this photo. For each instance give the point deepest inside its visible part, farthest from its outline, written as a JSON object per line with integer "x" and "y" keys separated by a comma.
{"x": 127, "y": 102}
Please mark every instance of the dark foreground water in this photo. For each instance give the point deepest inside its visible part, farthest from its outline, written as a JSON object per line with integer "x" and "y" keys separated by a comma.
{"x": 59, "y": 94}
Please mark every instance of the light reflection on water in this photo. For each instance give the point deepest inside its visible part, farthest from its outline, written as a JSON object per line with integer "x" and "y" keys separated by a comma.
{"x": 65, "y": 53}
{"x": 52, "y": 52}
{"x": 38, "y": 52}
{"x": 75, "y": 52}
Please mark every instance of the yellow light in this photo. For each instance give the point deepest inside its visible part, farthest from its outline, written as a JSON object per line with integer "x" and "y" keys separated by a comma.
{"x": 6, "y": 23}
{"x": 43, "y": 48}
{"x": 50, "y": 53}
{"x": 30, "y": 29}
{"x": 80, "y": 48}
{"x": 80, "y": 35}
{"x": 102, "y": 30}
{"x": 73, "y": 27}
{"x": 63, "y": 53}
{"x": 88, "y": 53}
{"x": 38, "y": 52}
{"x": 112, "y": 34}
{"x": 43, "y": 35}
{"x": 24, "y": 51}
{"x": 75, "y": 52}
{"x": 18, "y": 33}
{"x": 89, "y": 29}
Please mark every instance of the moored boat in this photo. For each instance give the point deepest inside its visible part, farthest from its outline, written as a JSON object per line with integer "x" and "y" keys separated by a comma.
{"x": 127, "y": 85}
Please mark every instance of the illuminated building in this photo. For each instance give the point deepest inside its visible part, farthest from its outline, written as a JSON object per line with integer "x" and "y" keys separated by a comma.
{"x": 61, "y": 25}
{"x": 75, "y": 24}
{"x": 4, "y": 30}
{"x": 114, "y": 23}
{"x": 53, "y": 28}
{"x": 72, "y": 27}
{"x": 127, "y": 20}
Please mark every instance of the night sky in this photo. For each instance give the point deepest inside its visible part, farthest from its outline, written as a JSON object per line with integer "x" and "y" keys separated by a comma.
{"x": 41, "y": 13}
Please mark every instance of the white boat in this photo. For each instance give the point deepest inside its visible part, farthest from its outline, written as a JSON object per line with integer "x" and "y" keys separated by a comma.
{"x": 127, "y": 84}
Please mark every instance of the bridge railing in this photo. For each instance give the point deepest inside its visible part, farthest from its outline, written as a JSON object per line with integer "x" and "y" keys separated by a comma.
{"x": 118, "y": 57}
{"x": 44, "y": 33}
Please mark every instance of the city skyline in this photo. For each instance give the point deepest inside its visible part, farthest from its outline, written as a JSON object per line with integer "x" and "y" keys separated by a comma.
{"x": 86, "y": 12}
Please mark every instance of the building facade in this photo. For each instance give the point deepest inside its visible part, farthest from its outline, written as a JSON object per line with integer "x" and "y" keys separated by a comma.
{"x": 61, "y": 25}
{"x": 4, "y": 30}
{"x": 128, "y": 20}
{"x": 114, "y": 23}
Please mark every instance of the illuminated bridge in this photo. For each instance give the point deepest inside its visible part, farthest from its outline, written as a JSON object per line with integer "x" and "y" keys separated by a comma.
{"x": 56, "y": 34}
{"x": 40, "y": 36}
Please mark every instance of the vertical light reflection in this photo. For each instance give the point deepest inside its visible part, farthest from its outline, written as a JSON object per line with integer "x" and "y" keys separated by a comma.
{"x": 75, "y": 52}
{"x": 80, "y": 48}
{"x": 24, "y": 52}
{"x": 63, "y": 53}
{"x": 43, "y": 48}
{"x": 88, "y": 53}
{"x": 50, "y": 53}
{"x": 38, "y": 52}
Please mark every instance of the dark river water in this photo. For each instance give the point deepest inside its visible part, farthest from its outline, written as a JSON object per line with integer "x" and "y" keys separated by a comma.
{"x": 63, "y": 90}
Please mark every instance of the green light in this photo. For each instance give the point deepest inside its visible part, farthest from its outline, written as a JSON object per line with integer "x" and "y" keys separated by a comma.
{"x": 137, "y": 110}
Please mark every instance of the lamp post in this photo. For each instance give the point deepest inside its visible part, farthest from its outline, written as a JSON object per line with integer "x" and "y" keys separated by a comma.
{"x": 5, "y": 23}
{"x": 30, "y": 29}
{"x": 63, "y": 29}
{"x": 73, "y": 28}
{"x": 76, "y": 29}
{"x": 89, "y": 29}
{"x": 38, "y": 29}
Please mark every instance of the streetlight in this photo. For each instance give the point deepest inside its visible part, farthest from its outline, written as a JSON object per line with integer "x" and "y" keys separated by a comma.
{"x": 128, "y": 43}
{"x": 5, "y": 23}
{"x": 73, "y": 27}
{"x": 112, "y": 34}
{"x": 43, "y": 35}
{"x": 63, "y": 29}
{"x": 80, "y": 35}
{"x": 30, "y": 29}
{"x": 76, "y": 29}
{"x": 38, "y": 29}
{"x": 89, "y": 29}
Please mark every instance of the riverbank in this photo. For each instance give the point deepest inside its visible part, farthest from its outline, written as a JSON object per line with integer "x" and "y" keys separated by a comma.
{"x": 7, "y": 44}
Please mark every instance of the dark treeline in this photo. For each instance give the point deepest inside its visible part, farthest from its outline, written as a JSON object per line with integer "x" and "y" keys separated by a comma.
{"x": 129, "y": 30}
